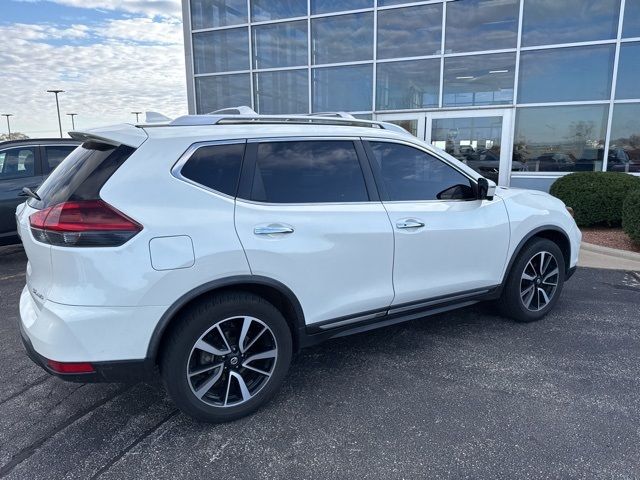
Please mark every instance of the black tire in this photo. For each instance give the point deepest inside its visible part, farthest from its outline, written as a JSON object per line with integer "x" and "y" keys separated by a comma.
{"x": 512, "y": 303}
{"x": 180, "y": 352}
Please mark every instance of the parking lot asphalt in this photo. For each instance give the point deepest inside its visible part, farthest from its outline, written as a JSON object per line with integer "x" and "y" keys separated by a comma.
{"x": 465, "y": 394}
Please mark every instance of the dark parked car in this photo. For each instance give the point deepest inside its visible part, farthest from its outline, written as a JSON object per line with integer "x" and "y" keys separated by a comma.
{"x": 25, "y": 163}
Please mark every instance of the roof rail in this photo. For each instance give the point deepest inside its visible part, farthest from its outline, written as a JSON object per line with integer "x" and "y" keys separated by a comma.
{"x": 241, "y": 110}
{"x": 331, "y": 114}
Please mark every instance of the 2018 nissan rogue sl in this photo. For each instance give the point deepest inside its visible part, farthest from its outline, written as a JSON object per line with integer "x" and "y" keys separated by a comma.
{"x": 213, "y": 247}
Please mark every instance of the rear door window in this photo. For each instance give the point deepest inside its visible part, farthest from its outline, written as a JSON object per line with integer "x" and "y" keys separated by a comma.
{"x": 216, "y": 167}
{"x": 54, "y": 155}
{"x": 314, "y": 171}
{"x": 17, "y": 162}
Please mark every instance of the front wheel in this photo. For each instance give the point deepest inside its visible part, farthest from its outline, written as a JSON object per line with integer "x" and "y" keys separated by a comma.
{"x": 226, "y": 357}
{"x": 534, "y": 283}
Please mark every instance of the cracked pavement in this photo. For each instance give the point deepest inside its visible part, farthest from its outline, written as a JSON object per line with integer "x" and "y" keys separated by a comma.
{"x": 464, "y": 394}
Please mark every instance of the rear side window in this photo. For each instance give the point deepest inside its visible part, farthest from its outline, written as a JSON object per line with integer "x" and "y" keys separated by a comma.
{"x": 82, "y": 174}
{"x": 411, "y": 174}
{"x": 308, "y": 172}
{"x": 216, "y": 166}
{"x": 55, "y": 154}
{"x": 17, "y": 163}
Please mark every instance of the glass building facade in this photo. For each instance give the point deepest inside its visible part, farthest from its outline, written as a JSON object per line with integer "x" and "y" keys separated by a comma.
{"x": 521, "y": 90}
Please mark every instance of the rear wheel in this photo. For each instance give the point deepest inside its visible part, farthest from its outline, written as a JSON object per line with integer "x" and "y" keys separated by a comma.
{"x": 534, "y": 283}
{"x": 226, "y": 357}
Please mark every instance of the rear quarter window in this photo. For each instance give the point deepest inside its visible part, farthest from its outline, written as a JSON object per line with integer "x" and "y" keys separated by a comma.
{"x": 216, "y": 167}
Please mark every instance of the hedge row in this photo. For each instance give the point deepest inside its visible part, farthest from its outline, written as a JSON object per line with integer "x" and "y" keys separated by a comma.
{"x": 631, "y": 216}
{"x": 597, "y": 198}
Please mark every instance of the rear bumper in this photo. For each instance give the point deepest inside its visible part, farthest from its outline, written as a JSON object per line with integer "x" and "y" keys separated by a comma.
{"x": 113, "y": 339}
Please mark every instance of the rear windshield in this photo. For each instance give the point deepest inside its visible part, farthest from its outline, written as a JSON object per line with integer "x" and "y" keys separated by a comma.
{"x": 82, "y": 174}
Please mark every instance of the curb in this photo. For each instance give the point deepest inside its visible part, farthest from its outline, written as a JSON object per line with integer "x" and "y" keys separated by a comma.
{"x": 613, "y": 252}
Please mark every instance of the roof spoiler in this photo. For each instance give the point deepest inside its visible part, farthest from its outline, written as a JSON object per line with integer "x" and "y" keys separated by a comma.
{"x": 116, "y": 135}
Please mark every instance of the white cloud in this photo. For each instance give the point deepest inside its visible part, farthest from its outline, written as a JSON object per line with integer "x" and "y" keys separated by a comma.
{"x": 165, "y": 8}
{"x": 106, "y": 74}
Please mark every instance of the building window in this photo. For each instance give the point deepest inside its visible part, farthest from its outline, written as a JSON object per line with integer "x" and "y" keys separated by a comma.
{"x": 342, "y": 88}
{"x": 407, "y": 85}
{"x": 410, "y": 32}
{"x": 631, "y": 26}
{"x": 328, "y": 6}
{"x": 479, "y": 79}
{"x": 628, "y": 84}
{"x": 308, "y": 172}
{"x": 560, "y": 139}
{"x": 474, "y": 25}
{"x": 568, "y": 21}
{"x": 217, "y": 13}
{"x": 281, "y": 92}
{"x": 222, "y": 91}
{"x": 264, "y": 10}
{"x": 343, "y": 38}
{"x": 221, "y": 50}
{"x": 280, "y": 45}
{"x": 566, "y": 74}
{"x": 624, "y": 146}
{"x": 385, "y": 3}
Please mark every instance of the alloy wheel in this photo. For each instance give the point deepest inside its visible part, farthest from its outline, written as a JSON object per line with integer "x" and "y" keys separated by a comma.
{"x": 232, "y": 361}
{"x": 539, "y": 281}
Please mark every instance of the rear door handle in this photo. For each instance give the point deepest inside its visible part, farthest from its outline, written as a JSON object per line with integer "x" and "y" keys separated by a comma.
{"x": 272, "y": 230}
{"x": 409, "y": 223}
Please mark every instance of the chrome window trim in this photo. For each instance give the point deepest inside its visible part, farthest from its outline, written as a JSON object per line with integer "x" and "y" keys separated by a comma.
{"x": 176, "y": 170}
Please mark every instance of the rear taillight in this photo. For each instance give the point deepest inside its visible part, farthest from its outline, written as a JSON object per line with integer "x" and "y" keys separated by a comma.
{"x": 85, "y": 223}
{"x": 70, "y": 367}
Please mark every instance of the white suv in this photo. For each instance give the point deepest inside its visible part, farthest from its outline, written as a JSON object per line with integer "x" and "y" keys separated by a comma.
{"x": 213, "y": 247}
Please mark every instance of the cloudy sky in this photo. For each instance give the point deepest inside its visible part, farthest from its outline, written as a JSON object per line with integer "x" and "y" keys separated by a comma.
{"x": 110, "y": 56}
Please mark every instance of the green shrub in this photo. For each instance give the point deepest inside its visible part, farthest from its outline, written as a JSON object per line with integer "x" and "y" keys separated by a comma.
{"x": 631, "y": 216}
{"x": 596, "y": 197}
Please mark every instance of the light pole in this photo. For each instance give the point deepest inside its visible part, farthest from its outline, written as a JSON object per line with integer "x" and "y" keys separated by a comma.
{"x": 8, "y": 125}
{"x": 136, "y": 114}
{"x": 73, "y": 123}
{"x": 56, "y": 92}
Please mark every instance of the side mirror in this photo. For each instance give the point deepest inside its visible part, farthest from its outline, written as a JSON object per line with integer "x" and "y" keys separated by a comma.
{"x": 486, "y": 189}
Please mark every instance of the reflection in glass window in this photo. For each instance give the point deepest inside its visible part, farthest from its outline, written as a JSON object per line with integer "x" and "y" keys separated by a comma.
{"x": 281, "y": 92}
{"x": 17, "y": 162}
{"x": 216, "y": 167}
{"x": 411, "y": 174}
{"x": 327, "y": 6}
{"x": 475, "y": 141}
{"x": 407, "y": 85}
{"x": 222, "y": 91}
{"x": 344, "y": 38}
{"x": 566, "y": 74}
{"x": 262, "y": 10}
{"x": 560, "y": 139}
{"x": 410, "y": 126}
{"x": 624, "y": 145}
{"x": 474, "y": 25}
{"x": 217, "y": 13}
{"x": 308, "y": 172}
{"x": 479, "y": 79}
{"x": 410, "y": 32}
{"x": 338, "y": 89}
{"x": 221, "y": 51}
{"x": 628, "y": 84}
{"x": 384, "y": 3}
{"x": 631, "y": 25}
{"x": 549, "y": 22}
{"x": 280, "y": 45}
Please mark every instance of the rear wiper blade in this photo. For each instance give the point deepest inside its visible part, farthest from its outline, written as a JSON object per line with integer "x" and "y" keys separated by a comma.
{"x": 30, "y": 193}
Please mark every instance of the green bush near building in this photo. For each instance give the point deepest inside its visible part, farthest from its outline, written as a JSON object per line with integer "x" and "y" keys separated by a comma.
{"x": 631, "y": 216}
{"x": 596, "y": 197}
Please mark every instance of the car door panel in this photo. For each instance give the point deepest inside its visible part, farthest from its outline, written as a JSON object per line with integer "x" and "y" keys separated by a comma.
{"x": 461, "y": 247}
{"x": 20, "y": 168}
{"x": 306, "y": 217}
{"x": 446, "y": 240}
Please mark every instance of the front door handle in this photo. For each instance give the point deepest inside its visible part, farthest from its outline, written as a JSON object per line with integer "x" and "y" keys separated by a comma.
{"x": 409, "y": 223}
{"x": 272, "y": 230}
